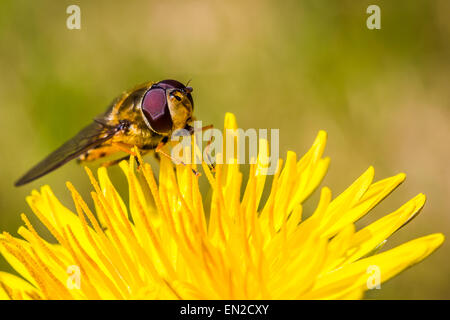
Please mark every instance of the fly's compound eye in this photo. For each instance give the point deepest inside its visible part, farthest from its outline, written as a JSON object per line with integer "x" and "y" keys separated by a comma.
{"x": 156, "y": 110}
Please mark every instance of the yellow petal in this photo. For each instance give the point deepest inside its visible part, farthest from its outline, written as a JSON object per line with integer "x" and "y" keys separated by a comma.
{"x": 389, "y": 264}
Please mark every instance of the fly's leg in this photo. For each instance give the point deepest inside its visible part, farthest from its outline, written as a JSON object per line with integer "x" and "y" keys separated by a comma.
{"x": 117, "y": 161}
{"x": 114, "y": 162}
{"x": 162, "y": 152}
{"x": 210, "y": 163}
{"x": 127, "y": 149}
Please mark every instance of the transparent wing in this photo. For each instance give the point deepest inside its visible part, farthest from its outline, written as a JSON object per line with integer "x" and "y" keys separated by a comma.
{"x": 91, "y": 136}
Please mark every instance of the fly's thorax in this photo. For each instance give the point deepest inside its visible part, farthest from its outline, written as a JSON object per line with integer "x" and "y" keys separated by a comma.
{"x": 137, "y": 132}
{"x": 128, "y": 109}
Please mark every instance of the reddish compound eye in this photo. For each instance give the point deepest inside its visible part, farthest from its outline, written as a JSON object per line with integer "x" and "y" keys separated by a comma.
{"x": 156, "y": 110}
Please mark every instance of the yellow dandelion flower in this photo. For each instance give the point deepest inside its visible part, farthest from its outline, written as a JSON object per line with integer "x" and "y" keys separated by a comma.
{"x": 164, "y": 246}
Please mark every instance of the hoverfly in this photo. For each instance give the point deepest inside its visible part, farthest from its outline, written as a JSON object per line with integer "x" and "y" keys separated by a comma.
{"x": 144, "y": 117}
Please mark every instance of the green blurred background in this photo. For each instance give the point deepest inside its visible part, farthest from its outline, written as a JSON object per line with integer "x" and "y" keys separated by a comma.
{"x": 382, "y": 95}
